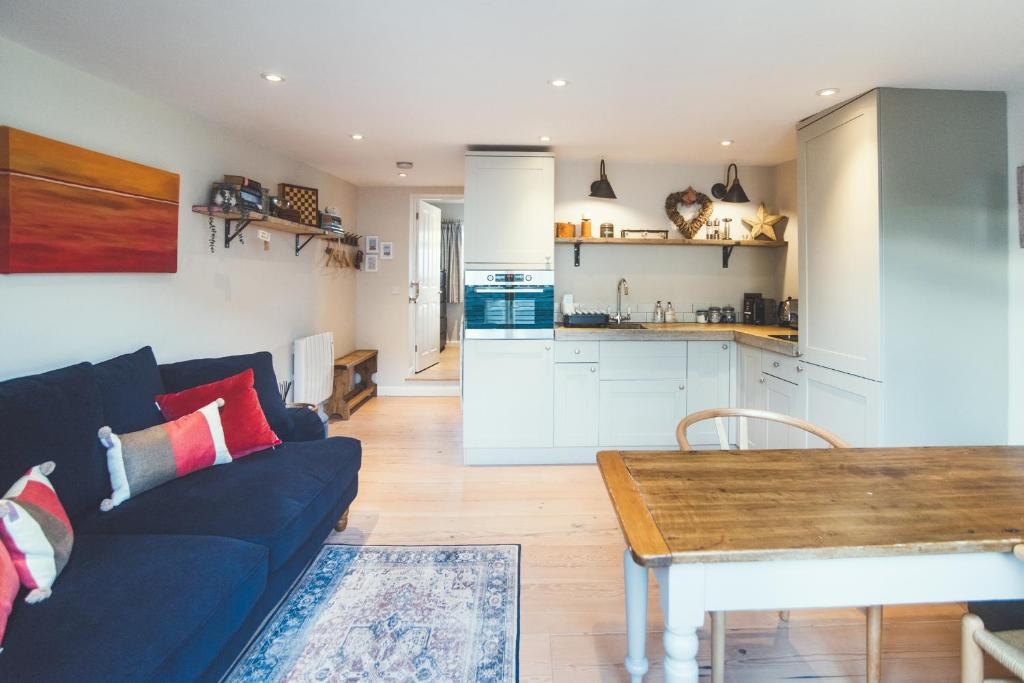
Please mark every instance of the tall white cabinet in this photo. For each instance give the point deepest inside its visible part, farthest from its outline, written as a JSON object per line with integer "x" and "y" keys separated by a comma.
{"x": 903, "y": 267}
{"x": 510, "y": 210}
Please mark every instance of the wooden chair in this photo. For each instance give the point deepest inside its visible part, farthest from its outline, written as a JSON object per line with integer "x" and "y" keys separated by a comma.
{"x": 874, "y": 613}
{"x": 1006, "y": 647}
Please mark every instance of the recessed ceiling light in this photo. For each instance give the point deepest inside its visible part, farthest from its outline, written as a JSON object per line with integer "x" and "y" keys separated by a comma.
{"x": 828, "y": 92}
{"x": 404, "y": 164}
{"x": 272, "y": 77}
{"x": 402, "y": 175}
{"x": 726, "y": 143}
{"x": 545, "y": 138}
{"x": 356, "y": 136}
{"x": 558, "y": 82}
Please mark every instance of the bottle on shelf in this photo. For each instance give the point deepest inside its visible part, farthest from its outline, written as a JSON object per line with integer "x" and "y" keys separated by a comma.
{"x": 659, "y": 313}
{"x": 670, "y": 313}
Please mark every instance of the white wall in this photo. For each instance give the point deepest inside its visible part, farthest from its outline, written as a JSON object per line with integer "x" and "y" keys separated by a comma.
{"x": 383, "y": 314}
{"x": 1015, "y": 147}
{"x": 684, "y": 275}
{"x": 233, "y": 301}
{"x": 784, "y": 202}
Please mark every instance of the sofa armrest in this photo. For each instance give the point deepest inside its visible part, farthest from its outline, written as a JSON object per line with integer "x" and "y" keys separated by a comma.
{"x": 308, "y": 425}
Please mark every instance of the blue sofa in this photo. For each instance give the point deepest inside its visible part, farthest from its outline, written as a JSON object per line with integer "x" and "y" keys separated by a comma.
{"x": 171, "y": 585}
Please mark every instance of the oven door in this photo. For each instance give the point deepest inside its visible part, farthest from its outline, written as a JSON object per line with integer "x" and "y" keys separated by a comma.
{"x": 510, "y": 311}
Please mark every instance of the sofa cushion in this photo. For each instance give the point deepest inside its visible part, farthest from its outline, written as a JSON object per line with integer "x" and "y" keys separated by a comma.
{"x": 192, "y": 373}
{"x": 272, "y": 497}
{"x": 308, "y": 425}
{"x": 54, "y": 416}
{"x": 128, "y": 605}
{"x": 129, "y": 385}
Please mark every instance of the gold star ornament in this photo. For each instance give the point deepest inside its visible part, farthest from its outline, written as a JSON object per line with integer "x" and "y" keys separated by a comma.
{"x": 763, "y": 223}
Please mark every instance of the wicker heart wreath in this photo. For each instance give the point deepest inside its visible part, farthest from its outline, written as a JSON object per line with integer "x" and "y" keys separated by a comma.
{"x": 689, "y": 197}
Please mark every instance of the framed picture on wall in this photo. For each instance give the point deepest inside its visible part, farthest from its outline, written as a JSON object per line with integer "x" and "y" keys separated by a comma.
{"x": 372, "y": 244}
{"x": 387, "y": 250}
{"x": 371, "y": 263}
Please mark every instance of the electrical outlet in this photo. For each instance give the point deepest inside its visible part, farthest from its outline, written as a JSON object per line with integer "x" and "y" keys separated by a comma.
{"x": 263, "y": 235}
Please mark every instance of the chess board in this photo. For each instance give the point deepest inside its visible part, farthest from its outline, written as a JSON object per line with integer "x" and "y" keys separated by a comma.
{"x": 303, "y": 199}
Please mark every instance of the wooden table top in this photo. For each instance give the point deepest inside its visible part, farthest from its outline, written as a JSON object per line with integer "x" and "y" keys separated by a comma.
{"x": 738, "y": 506}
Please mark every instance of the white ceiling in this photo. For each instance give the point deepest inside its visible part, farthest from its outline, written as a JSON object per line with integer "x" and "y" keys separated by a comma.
{"x": 649, "y": 80}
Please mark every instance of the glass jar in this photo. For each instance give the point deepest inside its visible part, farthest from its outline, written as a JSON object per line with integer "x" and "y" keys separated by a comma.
{"x": 702, "y": 316}
{"x": 728, "y": 314}
{"x": 714, "y": 314}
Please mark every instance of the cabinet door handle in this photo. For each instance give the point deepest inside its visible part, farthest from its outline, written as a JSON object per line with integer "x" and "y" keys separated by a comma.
{"x": 593, "y": 369}
{"x": 725, "y": 347}
{"x": 577, "y": 352}
{"x": 776, "y": 364}
{"x": 547, "y": 348}
{"x": 682, "y": 387}
{"x": 799, "y": 368}
{"x": 762, "y": 380}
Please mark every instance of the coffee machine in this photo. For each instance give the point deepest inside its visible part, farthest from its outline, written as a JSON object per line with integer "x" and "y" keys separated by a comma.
{"x": 749, "y": 299}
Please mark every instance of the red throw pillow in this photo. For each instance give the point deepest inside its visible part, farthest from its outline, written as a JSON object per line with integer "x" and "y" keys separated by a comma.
{"x": 245, "y": 426}
{"x": 9, "y": 586}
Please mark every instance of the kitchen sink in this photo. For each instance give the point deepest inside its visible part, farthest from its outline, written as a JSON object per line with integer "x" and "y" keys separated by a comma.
{"x": 626, "y": 326}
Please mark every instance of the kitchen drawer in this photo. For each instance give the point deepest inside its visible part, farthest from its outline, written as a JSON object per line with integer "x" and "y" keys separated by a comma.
{"x": 577, "y": 351}
{"x": 783, "y": 367}
{"x": 643, "y": 360}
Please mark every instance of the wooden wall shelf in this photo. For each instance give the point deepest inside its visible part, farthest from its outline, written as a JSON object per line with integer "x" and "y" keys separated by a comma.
{"x": 726, "y": 245}
{"x": 243, "y": 220}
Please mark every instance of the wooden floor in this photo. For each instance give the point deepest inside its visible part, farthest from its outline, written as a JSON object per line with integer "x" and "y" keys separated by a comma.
{"x": 414, "y": 489}
{"x": 447, "y": 369}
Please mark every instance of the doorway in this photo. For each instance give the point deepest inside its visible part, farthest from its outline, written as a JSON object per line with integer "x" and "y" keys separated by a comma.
{"x": 435, "y": 288}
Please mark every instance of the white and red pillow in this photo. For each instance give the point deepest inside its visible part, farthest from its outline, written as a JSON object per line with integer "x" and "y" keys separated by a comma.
{"x": 143, "y": 460}
{"x": 9, "y": 586}
{"x": 246, "y": 429}
{"x": 36, "y": 531}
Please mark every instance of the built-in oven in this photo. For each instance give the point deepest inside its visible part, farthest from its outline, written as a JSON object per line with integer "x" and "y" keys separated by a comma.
{"x": 510, "y": 304}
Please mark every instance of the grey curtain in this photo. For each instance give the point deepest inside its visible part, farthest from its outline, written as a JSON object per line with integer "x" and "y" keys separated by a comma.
{"x": 451, "y": 258}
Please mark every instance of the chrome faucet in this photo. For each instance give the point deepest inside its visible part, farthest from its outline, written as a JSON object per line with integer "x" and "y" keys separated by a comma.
{"x": 620, "y": 289}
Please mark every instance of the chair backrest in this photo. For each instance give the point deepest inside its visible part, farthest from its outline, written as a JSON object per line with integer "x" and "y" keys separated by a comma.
{"x": 717, "y": 414}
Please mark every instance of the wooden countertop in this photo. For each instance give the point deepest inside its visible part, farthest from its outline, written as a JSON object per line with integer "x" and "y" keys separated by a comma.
{"x": 741, "y": 506}
{"x": 754, "y": 335}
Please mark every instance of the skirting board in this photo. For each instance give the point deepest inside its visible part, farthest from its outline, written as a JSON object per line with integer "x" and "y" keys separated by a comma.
{"x": 421, "y": 389}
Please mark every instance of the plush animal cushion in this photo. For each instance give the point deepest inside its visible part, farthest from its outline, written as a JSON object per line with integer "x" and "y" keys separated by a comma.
{"x": 9, "y": 585}
{"x": 36, "y": 531}
{"x": 143, "y": 460}
{"x": 245, "y": 426}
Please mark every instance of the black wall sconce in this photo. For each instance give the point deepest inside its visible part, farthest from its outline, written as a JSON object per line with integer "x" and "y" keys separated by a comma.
{"x": 601, "y": 187}
{"x": 730, "y": 192}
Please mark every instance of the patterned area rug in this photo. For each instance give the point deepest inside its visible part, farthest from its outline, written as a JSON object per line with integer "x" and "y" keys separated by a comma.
{"x": 394, "y": 613}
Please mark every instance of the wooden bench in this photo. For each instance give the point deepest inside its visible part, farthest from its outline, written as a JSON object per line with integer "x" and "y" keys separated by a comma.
{"x": 348, "y": 394}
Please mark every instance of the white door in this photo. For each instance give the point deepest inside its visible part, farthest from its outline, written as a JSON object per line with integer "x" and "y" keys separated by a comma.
{"x": 849, "y": 407}
{"x": 510, "y": 211}
{"x": 751, "y": 390}
{"x": 507, "y": 391}
{"x": 840, "y": 283}
{"x": 577, "y": 389}
{"x": 708, "y": 385}
{"x": 426, "y": 287}
{"x": 637, "y": 413}
{"x": 786, "y": 398}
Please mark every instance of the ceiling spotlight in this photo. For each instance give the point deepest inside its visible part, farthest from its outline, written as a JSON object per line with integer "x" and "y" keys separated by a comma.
{"x": 402, "y": 174}
{"x": 545, "y": 138}
{"x": 828, "y": 92}
{"x": 273, "y": 78}
{"x": 558, "y": 82}
{"x": 726, "y": 143}
{"x": 404, "y": 164}
{"x": 356, "y": 136}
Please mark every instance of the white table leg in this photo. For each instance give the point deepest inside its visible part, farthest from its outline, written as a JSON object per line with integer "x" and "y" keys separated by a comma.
{"x": 682, "y": 602}
{"x": 636, "y": 617}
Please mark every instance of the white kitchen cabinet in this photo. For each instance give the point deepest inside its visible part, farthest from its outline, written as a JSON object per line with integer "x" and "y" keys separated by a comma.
{"x": 786, "y": 398}
{"x": 577, "y": 388}
{"x": 627, "y": 360}
{"x": 848, "y": 406}
{"x": 639, "y": 413}
{"x": 709, "y": 384}
{"x": 508, "y": 389}
{"x": 750, "y": 384}
{"x": 509, "y": 209}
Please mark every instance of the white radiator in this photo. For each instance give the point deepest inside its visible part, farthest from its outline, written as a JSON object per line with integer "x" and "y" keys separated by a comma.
{"x": 314, "y": 368}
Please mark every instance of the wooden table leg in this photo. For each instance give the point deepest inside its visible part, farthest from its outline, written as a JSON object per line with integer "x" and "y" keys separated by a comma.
{"x": 874, "y": 648}
{"x": 682, "y": 602}
{"x": 718, "y": 647}
{"x": 636, "y": 618}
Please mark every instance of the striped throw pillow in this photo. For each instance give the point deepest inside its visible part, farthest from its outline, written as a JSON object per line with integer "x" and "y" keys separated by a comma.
{"x": 143, "y": 460}
{"x": 36, "y": 531}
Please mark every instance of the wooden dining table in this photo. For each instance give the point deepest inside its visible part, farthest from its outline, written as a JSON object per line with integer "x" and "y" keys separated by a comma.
{"x": 792, "y": 529}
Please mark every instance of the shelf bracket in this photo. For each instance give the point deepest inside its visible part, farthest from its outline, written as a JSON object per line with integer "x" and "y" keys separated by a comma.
{"x": 229, "y": 236}
{"x": 576, "y": 248}
{"x": 727, "y": 254}
{"x": 300, "y": 245}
